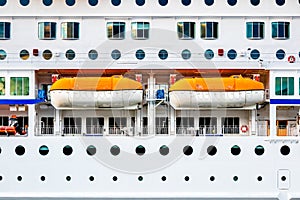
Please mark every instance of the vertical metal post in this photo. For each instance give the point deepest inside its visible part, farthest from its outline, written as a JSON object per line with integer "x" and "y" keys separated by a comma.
{"x": 172, "y": 121}
{"x": 31, "y": 120}
{"x": 253, "y": 122}
{"x": 57, "y": 122}
{"x": 151, "y": 104}
{"x": 272, "y": 115}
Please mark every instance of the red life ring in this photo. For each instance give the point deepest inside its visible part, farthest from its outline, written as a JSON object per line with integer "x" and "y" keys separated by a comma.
{"x": 291, "y": 59}
{"x": 244, "y": 128}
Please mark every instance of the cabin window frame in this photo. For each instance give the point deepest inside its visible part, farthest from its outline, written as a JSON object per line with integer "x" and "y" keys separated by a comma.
{"x": 116, "y": 30}
{"x": 186, "y": 30}
{"x": 2, "y": 88}
{"x": 230, "y": 125}
{"x": 209, "y": 30}
{"x": 140, "y": 30}
{"x": 47, "y": 30}
{"x": 5, "y": 30}
{"x": 70, "y": 30}
{"x": 19, "y": 86}
{"x": 280, "y": 30}
{"x": 284, "y": 86}
{"x": 255, "y": 30}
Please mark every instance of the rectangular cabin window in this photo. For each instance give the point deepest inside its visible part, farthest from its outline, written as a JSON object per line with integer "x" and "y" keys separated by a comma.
{"x": 4, "y": 30}
{"x": 3, "y": 121}
{"x": 19, "y": 86}
{"x": 186, "y": 30}
{"x": 281, "y": 30}
{"x": 117, "y": 125}
{"x": 72, "y": 125}
{"x": 255, "y": 30}
{"x": 209, "y": 30}
{"x": 284, "y": 86}
{"x": 47, "y": 125}
{"x": 230, "y": 125}
{"x": 94, "y": 125}
{"x": 2, "y": 86}
{"x": 140, "y": 30}
{"x": 161, "y": 125}
{"x": 115, "y": 30}
{"x": 47, "y": 30}
{"x": 208, "y": 125}
{"x": 183, "y": 125}
{"x": 70, "y": 30}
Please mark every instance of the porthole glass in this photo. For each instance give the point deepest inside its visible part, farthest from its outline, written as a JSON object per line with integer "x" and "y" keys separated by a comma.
{"x": 254, "y": 54}
{"x": 47, "y": 54}
{"x": 163, "y": 54}
{"x": 255, "y": 2}
{"x": 259, "y": 150}
{"x": 68, "y": 178}
{"x": 140, "y": 178}
{"x": 70, "y": 2}
{"x": 116, "y": 54}
{"x": 280, "y": 2}
{"x": 186, "y": 178}
{"x": 115, "y": 178}
{"x": 140, "y": 2}
{"x": 259, "y": 178}
{"x": 140, "y": 150}
{"x": 188, "y": 150}
{"x": 163, "y": 178}
{"x": 93, "y": 2}
{"x": 24, "y": 54}
{"x": 93, "y": 54}
{"x": 3, "y": 2}
{"x": 235, "y": 178}
{"x": 47, "y": 2}
{"x": 70, "y": 54}
{"x": 186, "y": 2}
{"x": 186, "y": 54}
{"x": 231, "y": 54}
{"x": 2, "y": 54}
{"x": 67, "y": 150}
{"x": 211, "y": 150}
{"x": 140, "y": 54}
{"x": 116, "y": 2}
{"x": 44, "y": 150}
{"x": 115, "y": 150}
{"x": 43, "y": 178}
{"x": 285, "y": 150}
{"x": 163, "y": 2}
{"x": 164, "y": 150}
{"x": 209, "y": 2}
{"x": 19, "y": 178}
{"x": 20, "y": 150}
{"x": 92, "y": 178}
{"x": 231, "y": 2}
{"x": 91, "y": 150}
{"x": 280, "y": 54}
{"x": 209, "y": 54}
{"x": 235, "y": 150}
{"x": 212, "y": 178}
{"x": 24, "y": 2}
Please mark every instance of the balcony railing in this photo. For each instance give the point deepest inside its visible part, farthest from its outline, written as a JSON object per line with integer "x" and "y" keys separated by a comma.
{"x": 128, "y": 131}
{"x": 71, "y": 130}
{"x": 44, "y": 130}
{"x": 94, "y": 130}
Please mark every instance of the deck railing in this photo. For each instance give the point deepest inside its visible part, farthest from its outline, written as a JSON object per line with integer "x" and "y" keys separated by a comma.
{"x": 94, "y": 130}
{"x": 71, "y": 130}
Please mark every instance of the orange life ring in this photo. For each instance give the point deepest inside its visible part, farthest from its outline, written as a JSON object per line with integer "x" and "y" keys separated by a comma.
{"x": 291, "y": 59}
{"x": 244, "y": 128}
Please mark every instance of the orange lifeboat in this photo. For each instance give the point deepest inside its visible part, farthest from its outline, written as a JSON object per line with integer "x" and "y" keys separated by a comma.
{"x": 233, "y": 91}
{"x": 93, "y": 92}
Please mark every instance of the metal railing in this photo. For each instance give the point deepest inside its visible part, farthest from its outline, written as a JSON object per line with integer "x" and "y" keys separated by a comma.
{"x": 128, "y": 131}
{"x": 281, "y": 130}
{"x": 94, "y": 130}
{"x": 44, "y": 130}
{"x": 71, "y": 130}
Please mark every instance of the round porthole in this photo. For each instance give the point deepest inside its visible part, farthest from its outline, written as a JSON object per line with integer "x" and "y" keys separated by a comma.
{"x": 259, "y": 150}
{"x": 231, "y": 54}
{"x": 116, "y": 2}
{"x": 280, "y": 54}
{"x": 115, "y": 150}
{"x": 70, "y": 2}
{"x": 47, "y": 2}
{"x": 209, "y": 54}
{"x": 44, "y": 150}
{"x": 47, "y": 54}
{"x": 70, "y": 54}
{"x": 91, "y": 150}
{"x": 24, "y": 2}
{"x": 186, "y": 54}
{"x": 254, "y": 54}
{"x": 140, "y": 54}
{"x": 186, "y": 2}
{"x": 209, "y": 2}
{"x": 231, "y": 2}
{"x": 140, "y": 2}
{"x": 3, "y": 2}
{"x": 20, "y": 150}
{"x": 67, "y": 150}
{"x": 93, "y": 54}
{"x": 188, "y": 150}
{"x": 163, "y": 2}
{"x": 235, "y": 150}
{"x": 116, "y": 54}
{"x": 285, "y": 150}
{"x": 255, "y": 2}
{"x": 163, "y": 54}
{"x": 140, "y": 150}
{"x": 2, "y": 54}
{"x": 93, "y": 2}
{"x": 280, "y": 2}
{"x": 164, "y": 150}
{"x": 24, "y": 54}
{"x": 211, "y": 150}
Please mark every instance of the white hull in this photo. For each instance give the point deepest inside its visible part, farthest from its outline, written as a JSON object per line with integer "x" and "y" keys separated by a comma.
{"x": 192, "y": 99}
{"x": 95, "y": 99}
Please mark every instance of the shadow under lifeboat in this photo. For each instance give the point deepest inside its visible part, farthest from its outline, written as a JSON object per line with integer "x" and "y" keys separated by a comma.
{"x": 96, "y": 92}
{"x": 219, "y": 92}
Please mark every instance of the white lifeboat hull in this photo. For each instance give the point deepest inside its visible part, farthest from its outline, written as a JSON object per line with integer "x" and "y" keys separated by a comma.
{"x": 95, "y": 99}
{"x": 196, "y": 99}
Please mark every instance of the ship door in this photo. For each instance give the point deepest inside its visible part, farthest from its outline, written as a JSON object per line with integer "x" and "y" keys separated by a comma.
{"x": 282, "y": 127}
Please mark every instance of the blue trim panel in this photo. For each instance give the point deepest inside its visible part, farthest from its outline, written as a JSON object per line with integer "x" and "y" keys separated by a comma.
{"x": 284, "y": 101}
{"x": 21, "y": 101}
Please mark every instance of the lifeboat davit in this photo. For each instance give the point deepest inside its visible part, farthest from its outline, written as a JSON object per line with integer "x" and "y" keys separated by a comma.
{"x": 96, "y": 92}
{"x": 222, "y": 92}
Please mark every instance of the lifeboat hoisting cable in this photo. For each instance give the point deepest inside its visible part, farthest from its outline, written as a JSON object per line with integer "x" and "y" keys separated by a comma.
{"x": 291, "y": 59}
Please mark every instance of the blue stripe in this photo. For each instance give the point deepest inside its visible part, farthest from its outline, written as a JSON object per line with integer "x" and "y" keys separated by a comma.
{"x": 21, "y": 101}
{"x": 284, "y": 101}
